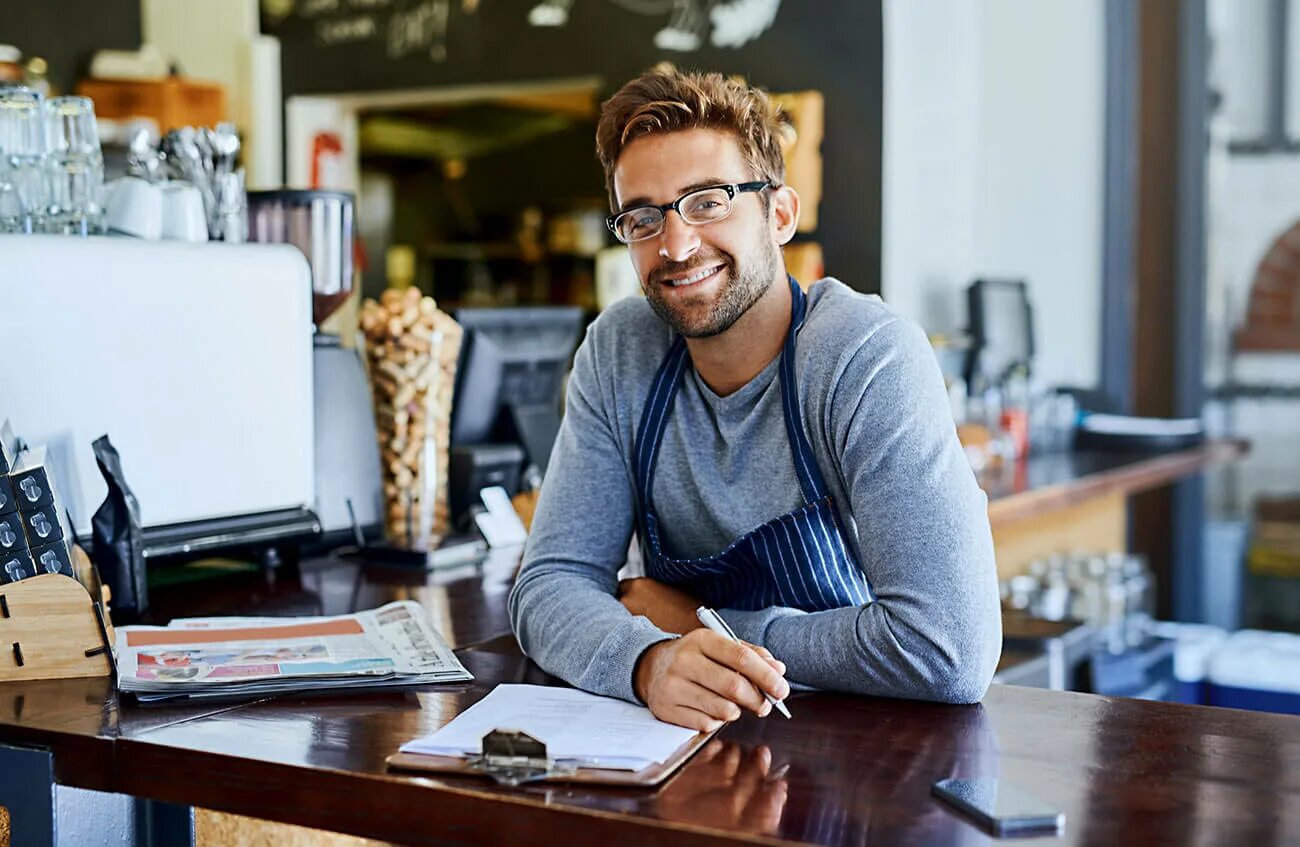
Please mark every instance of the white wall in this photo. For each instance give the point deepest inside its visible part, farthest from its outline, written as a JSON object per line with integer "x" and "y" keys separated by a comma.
{"x": 931, "y": 157}
{"x": 1292, "y": 105}
{"x": 993, "y": 165}
{"x": 1243, "y": 43}
{"x": 219, "y": 41}
{"x": 1243, "y": 40}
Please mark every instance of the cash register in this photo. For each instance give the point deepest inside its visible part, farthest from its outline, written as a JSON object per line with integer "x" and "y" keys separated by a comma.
{"x": 509, "y": 398}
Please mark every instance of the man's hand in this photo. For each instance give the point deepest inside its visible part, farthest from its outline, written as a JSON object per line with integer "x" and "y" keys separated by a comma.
{"x": 667, "y": 608}
{"x": 703, "y": 679}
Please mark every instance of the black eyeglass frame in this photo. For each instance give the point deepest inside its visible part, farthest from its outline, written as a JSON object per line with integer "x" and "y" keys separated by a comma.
{"x": 732, "y": 190}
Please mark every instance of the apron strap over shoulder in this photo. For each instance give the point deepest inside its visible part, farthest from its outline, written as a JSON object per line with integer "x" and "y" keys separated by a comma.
{"x": 805, "y": 462}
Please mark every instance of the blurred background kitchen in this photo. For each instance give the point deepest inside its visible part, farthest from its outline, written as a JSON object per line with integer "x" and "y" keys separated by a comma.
{"x": 1093, "y": 207}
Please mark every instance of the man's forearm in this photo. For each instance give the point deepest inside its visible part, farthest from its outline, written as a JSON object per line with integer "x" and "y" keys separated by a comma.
{"x": 869, "y": 650}
{"x": 568, "y": 620}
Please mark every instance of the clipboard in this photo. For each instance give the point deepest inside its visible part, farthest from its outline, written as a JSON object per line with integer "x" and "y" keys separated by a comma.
{"x": 513, "y": 758}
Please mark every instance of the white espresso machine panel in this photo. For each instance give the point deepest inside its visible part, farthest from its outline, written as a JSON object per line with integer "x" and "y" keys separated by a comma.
{"x": 195, "y": 359}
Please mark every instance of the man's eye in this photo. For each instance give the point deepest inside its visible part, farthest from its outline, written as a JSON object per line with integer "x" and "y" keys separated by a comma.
{"x": 706, "y": 207}
{"x": 640, "y": 223}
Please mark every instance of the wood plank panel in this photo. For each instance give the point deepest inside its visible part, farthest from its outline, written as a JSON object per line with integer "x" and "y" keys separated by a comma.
{"x": 1098, "y": 525}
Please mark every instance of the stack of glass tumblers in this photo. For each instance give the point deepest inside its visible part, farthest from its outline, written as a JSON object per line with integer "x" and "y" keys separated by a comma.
{"x": 51, "y": 165}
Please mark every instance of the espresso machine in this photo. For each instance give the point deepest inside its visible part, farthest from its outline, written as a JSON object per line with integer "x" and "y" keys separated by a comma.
{"x": 321, "y": 225}
{"x": 193, "y": 357}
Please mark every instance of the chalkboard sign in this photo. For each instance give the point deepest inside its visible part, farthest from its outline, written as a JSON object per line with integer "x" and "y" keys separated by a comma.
{"x": 334, "y": 46}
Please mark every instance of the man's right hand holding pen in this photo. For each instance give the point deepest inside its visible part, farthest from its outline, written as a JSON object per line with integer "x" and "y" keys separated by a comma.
{"x": 702, "y": 680}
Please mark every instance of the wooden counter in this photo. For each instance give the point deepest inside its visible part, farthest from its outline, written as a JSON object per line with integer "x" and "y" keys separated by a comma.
{"x": 846, "y": 770}
{"x": 855, "y": 770}
{"x": 1077, "y": 501}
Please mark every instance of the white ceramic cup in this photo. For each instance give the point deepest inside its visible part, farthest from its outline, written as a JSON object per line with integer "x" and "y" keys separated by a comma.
{"x": 184, "y": 218}
{"x": 135, "y": 207}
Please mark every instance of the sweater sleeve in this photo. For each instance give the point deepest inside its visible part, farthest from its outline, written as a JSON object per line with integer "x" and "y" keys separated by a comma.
{"x": 564, "y": 607}
{"x": 934, "y": 630}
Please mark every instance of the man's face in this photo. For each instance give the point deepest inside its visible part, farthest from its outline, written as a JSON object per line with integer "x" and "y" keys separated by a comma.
{"x": 698, "y": 279}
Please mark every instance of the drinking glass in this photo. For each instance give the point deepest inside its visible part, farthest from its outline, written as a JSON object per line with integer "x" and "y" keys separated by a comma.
{"x": 74, "y": 168}
{"x": 76, "y": 195}
{"x": 70, "y": 127}
{"x": 22, "y": 149}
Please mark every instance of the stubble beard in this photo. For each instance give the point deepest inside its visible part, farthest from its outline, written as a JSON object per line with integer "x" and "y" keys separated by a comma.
{"x": 742, "y": 289}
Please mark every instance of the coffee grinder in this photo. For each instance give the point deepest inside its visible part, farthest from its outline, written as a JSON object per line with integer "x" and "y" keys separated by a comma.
{"x": 320, "y": 223}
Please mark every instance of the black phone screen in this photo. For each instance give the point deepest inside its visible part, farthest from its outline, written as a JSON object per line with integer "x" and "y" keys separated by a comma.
{"x": 1000, "y": 807}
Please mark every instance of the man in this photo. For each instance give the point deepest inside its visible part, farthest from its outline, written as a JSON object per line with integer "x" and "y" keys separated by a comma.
{"x": 787, "y": 459}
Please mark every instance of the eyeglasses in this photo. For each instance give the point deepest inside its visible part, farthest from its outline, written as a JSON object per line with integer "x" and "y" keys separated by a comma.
{"x": 701, "y": 206}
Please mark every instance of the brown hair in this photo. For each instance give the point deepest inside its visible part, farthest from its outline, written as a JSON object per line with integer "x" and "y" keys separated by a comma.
{"x": 665, "y": 99}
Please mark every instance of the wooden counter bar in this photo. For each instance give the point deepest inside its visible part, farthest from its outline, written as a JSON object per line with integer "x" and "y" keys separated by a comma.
{"x": 845, "y": 770}
{"x": 1077, "y": 501}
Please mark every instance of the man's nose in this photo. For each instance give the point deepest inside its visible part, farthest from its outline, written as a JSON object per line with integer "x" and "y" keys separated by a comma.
{"x": 678, "y": 240}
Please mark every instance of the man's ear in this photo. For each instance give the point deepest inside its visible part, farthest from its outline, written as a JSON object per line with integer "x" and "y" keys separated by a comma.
{"x": 785, "y": 214}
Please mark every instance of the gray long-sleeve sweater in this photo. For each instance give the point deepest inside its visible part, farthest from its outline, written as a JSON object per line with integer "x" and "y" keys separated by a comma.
{"x": 877, "y": 418}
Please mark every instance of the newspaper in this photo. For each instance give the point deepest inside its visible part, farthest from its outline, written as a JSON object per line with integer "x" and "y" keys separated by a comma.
{"x": 240, "y": 656}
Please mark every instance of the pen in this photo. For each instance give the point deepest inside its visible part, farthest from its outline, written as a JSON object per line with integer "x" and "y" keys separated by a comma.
{"x": 778, "y": 774}
{"x": 712, "y": 620}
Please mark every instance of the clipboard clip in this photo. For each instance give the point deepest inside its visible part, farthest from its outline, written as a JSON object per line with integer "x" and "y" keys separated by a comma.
{"x": 511, "y": 757}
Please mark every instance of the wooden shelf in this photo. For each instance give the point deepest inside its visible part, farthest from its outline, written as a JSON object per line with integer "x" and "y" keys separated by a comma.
{"x": 171, "y": 102}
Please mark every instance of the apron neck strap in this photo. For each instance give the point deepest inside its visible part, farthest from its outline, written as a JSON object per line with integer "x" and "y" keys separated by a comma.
{"x": 655, "y": 417}
{"x": 805, "y": 463}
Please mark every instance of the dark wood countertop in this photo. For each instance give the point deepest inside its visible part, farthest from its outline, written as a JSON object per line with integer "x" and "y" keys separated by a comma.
{"x": 845, "y": 770}
{"x": 1042, "y": 484}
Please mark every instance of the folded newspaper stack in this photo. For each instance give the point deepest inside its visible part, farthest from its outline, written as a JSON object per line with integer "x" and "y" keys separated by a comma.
{"x": 390, "y": 646}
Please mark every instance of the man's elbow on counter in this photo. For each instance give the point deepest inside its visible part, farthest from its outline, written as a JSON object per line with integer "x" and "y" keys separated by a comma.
{"x": 957, "y": 684}
{"x": 974, "y": 639}
{"x": 970, "y": 675}
{"x": 966, "y": 688}
{"x": 962, "y": 673}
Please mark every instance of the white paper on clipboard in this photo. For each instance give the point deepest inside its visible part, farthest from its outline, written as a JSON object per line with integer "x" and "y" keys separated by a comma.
{"x": 576, "y": 727}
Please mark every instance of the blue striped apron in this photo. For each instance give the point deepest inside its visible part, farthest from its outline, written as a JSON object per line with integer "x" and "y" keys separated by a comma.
{"x": 797, "y": 560}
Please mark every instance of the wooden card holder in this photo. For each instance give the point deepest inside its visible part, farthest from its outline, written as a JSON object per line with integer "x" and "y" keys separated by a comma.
{"x": 50, "y": 628}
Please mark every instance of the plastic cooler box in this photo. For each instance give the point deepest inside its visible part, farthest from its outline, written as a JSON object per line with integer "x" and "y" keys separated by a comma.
{"x": 1194, "y": 645}
{"x": 1256, "y": 670}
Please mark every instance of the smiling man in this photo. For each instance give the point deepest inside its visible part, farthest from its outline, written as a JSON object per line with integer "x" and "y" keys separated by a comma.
{"x": 785, "y": 458}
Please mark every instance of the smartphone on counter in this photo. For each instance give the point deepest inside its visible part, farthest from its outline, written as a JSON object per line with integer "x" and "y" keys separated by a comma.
{"x": 1000, "y": 807}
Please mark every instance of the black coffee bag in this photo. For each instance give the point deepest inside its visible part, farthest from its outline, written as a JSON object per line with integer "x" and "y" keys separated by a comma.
{"x": 118, "y": 535}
